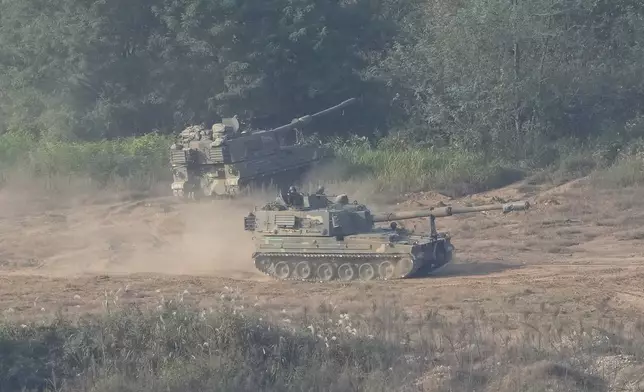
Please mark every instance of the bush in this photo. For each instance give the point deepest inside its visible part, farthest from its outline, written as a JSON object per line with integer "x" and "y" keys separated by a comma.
{"x": 627, "y": 171}
{"x": 178, "y": 348}
{"x": 138, "y": 161}
{"x": 452, "y": 171}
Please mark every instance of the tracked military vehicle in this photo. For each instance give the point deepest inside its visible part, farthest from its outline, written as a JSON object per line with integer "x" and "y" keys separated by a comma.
{"x": 221, "y": 161}
{"x": 321, "y": 238}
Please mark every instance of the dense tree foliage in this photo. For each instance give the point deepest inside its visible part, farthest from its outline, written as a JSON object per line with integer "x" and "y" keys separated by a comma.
{"x": 506, "y": 75}
{"x": 97, "y": 69}
{"x": 500, "y": 76}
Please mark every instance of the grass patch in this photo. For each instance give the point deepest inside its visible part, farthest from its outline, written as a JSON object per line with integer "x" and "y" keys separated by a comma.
{"x": 627, "y": 171}
{"x": 135, "y": 163}
{"x": 450, "y": 171}
{"x": 177, "y": 348}
{"x": 567, "y": 168}
{"x": 141, "y": 163}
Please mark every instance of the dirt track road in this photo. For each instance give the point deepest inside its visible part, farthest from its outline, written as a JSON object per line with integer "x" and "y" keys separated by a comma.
{"x": 576, "y": 252}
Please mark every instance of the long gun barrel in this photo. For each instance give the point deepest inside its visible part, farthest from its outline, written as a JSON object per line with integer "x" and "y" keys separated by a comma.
{"x": 308, "y": 118}
{"x": 448, "y": 211}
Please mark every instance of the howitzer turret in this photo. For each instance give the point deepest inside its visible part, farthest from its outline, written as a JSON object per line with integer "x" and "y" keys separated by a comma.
{"x": 316, "y": 237}
{"x": 220, "y": 161}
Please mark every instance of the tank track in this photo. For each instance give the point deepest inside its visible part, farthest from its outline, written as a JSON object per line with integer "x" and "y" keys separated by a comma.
{"x": 347, "y": 267}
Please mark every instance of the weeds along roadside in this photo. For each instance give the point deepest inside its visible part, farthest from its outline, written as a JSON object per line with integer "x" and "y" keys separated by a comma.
{"x": 141, "y": 164}
{"x": 386, "y": 348}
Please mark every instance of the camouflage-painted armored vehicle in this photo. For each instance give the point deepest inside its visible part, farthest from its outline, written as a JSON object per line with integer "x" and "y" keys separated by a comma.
{"x": 322, "y": 238}
{"x": 220, "y": 161}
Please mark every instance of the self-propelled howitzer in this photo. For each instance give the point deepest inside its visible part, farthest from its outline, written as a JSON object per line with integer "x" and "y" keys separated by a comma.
{"x": 323, "y": 238}
{"x": 221, "y": 161}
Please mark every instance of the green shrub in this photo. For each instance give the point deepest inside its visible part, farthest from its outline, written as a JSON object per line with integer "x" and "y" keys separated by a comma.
{"x": 142, "y": 162}
{"x": 452, "y": 171}
{"x": 627, "y": 171}
{"x": 138, "y": 161}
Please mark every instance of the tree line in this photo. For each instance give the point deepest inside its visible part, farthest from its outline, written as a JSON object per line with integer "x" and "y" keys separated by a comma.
{"x": 498, "y": 76}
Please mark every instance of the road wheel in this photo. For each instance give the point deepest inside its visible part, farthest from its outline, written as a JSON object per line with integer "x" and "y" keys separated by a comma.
{"x": 366, "y": 272}
{"x": 346, "y": 272}
{"x": 386, "y": 270}
{"x": 282, "y": 270}
{"x": 326, "y": 272}
{"x": 303, "y": 270}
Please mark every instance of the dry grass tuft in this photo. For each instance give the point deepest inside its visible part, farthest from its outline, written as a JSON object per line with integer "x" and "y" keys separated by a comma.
{"x": 383, "y": 349}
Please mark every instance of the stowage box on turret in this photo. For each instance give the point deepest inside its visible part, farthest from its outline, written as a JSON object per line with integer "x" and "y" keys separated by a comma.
{"x": 220, "y": 161}
{"x": 322, "y": 238}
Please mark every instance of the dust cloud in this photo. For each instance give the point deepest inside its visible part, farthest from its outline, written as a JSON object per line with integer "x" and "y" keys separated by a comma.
{"x": 206, "y": 238}
{"x": 62, "y": 236}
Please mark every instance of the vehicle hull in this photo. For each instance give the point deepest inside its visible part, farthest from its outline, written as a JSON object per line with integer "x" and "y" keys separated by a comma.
{"x": 356, "y": 259}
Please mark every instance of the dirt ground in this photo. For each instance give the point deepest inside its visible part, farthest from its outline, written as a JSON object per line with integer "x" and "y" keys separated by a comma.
{"x": 577, "y": 251}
